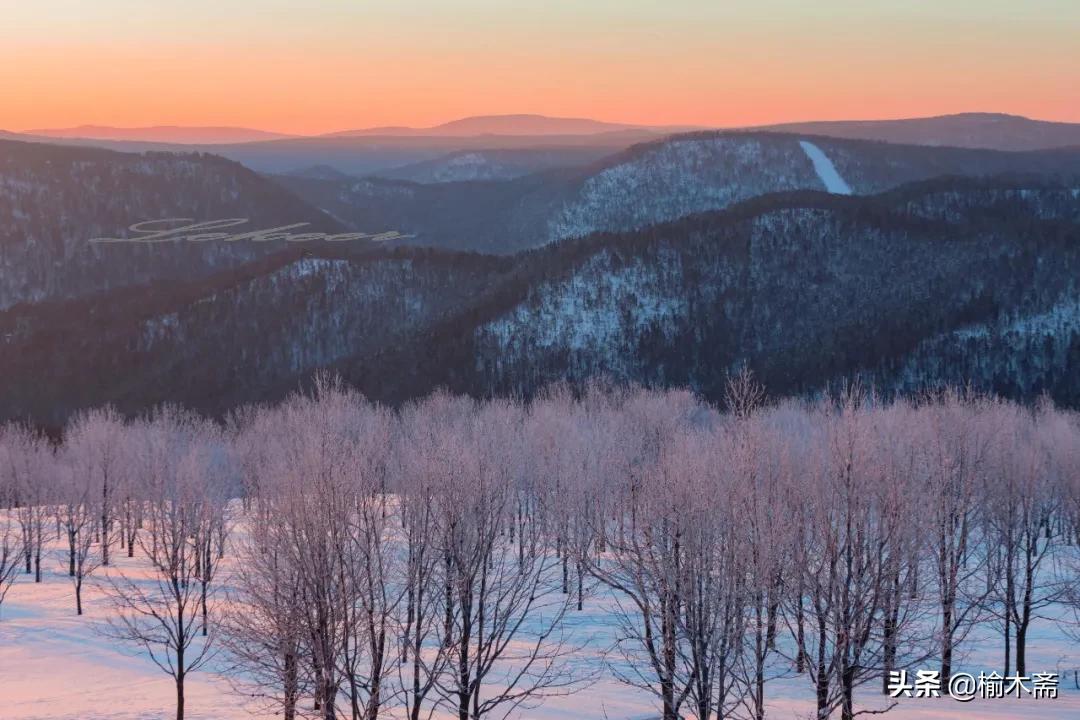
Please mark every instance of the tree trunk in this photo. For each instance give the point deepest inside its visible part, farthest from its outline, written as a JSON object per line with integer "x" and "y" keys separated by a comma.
{"x": 822, "y": 681}
{"x": 464, "y": 672}
{"x": 759, "y": 670}
{"x": 105, "y": 530}
{"x": 1008, "y": 643}
{"x": 946, "y": 642}
{"x": 1021, "y": 650}
{"x": 889, "y": 657}
{"x": 291, "y": 686}
{"x": 329, "y": 700}
{"x": 580, "y": 586}
{"x": 374, "y": 701}
{"x": 180, "y": 696}
{"x": 848, "y": 689}
{"x": 667, "y": 692}
{"x": 565, "y": 572}
{"x": 822, "y": 688}
{"x": 800, "y": 637}
{"x": 71, "y": 553}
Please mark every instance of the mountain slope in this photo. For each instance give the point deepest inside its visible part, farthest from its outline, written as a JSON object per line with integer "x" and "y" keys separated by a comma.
{"x": 805, "y": 287}
{"x": 245, "y": 334}
{"x": 55, "y": 199}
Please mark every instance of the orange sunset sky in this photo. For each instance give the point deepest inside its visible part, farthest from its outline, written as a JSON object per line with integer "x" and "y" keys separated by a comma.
{"x": 326, "y": 65}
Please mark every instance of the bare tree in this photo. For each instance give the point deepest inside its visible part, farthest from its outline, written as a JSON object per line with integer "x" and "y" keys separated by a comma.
{"x": 754, "y": 453}
{"x": 422, "y": 448}
{"x": 10, "y": 555}
{"x": 954, "y": 442}
{"x": 312, "y": 477}
{"x": 373, "y": 564}
{"x": 165, "y": 615}
{"x": 28, "y": 465}
{"x": 506, "y": 642}
{"x": 666, "y": 622}
{"x": 77, "y": 515}
{"x": 263, "y": 626}
{"x": 1021, "y": 528}
{"x": 95, "y": 439}
{"x": 850, "y": 557}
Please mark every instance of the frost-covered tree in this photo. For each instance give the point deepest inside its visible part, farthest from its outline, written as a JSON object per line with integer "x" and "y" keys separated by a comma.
{"x": 1022, "y": 528}
{"x": 95, "y": 442}
{"x": 507, "y": 645}
{"x": 77, "y": 515}
{"x": 27, "y": 469}
{"x": 167, "y": 615}
{"x": 10, "y": 555}
{"x": 853, "y": 552}
{"x": 952, "y": 441}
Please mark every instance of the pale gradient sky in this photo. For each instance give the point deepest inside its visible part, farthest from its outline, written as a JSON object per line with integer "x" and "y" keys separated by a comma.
{"x": 326, "y": 65}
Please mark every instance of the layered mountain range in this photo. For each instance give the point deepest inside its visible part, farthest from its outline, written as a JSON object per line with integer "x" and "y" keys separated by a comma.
{"x": 388, "y": 151}
{"x": 672, "y": 262}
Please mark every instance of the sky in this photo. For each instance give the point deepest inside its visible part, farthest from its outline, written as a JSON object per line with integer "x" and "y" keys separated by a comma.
{"x": 327, "y": 65}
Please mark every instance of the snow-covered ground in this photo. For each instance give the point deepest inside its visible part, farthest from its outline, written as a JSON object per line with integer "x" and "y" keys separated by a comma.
{"x": 55, "y": 665}
{"x": 825, "y": 169}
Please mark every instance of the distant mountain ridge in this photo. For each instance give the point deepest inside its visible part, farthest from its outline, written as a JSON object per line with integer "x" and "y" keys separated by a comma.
{"x": 162, "y": 134}
{"x": 520, "y": 124}
{"x": 997, "y": 131}
{"x": 444, "y": 153}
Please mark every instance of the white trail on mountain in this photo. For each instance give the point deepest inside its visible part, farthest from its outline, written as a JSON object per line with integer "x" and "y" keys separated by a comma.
{"x": 825, "y": 169}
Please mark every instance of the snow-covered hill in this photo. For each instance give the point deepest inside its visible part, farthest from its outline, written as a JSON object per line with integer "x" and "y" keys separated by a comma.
{"x": 678, "y": 177}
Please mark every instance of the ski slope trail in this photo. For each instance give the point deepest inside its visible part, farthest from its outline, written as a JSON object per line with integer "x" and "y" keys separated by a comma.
{"x": 825, "y": 169}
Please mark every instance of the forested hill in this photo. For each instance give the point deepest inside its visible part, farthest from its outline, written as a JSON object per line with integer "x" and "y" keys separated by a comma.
{"x": 55, "y": 199}
{"x": 949, "y": 280}
{"x": 946, "y": 281}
